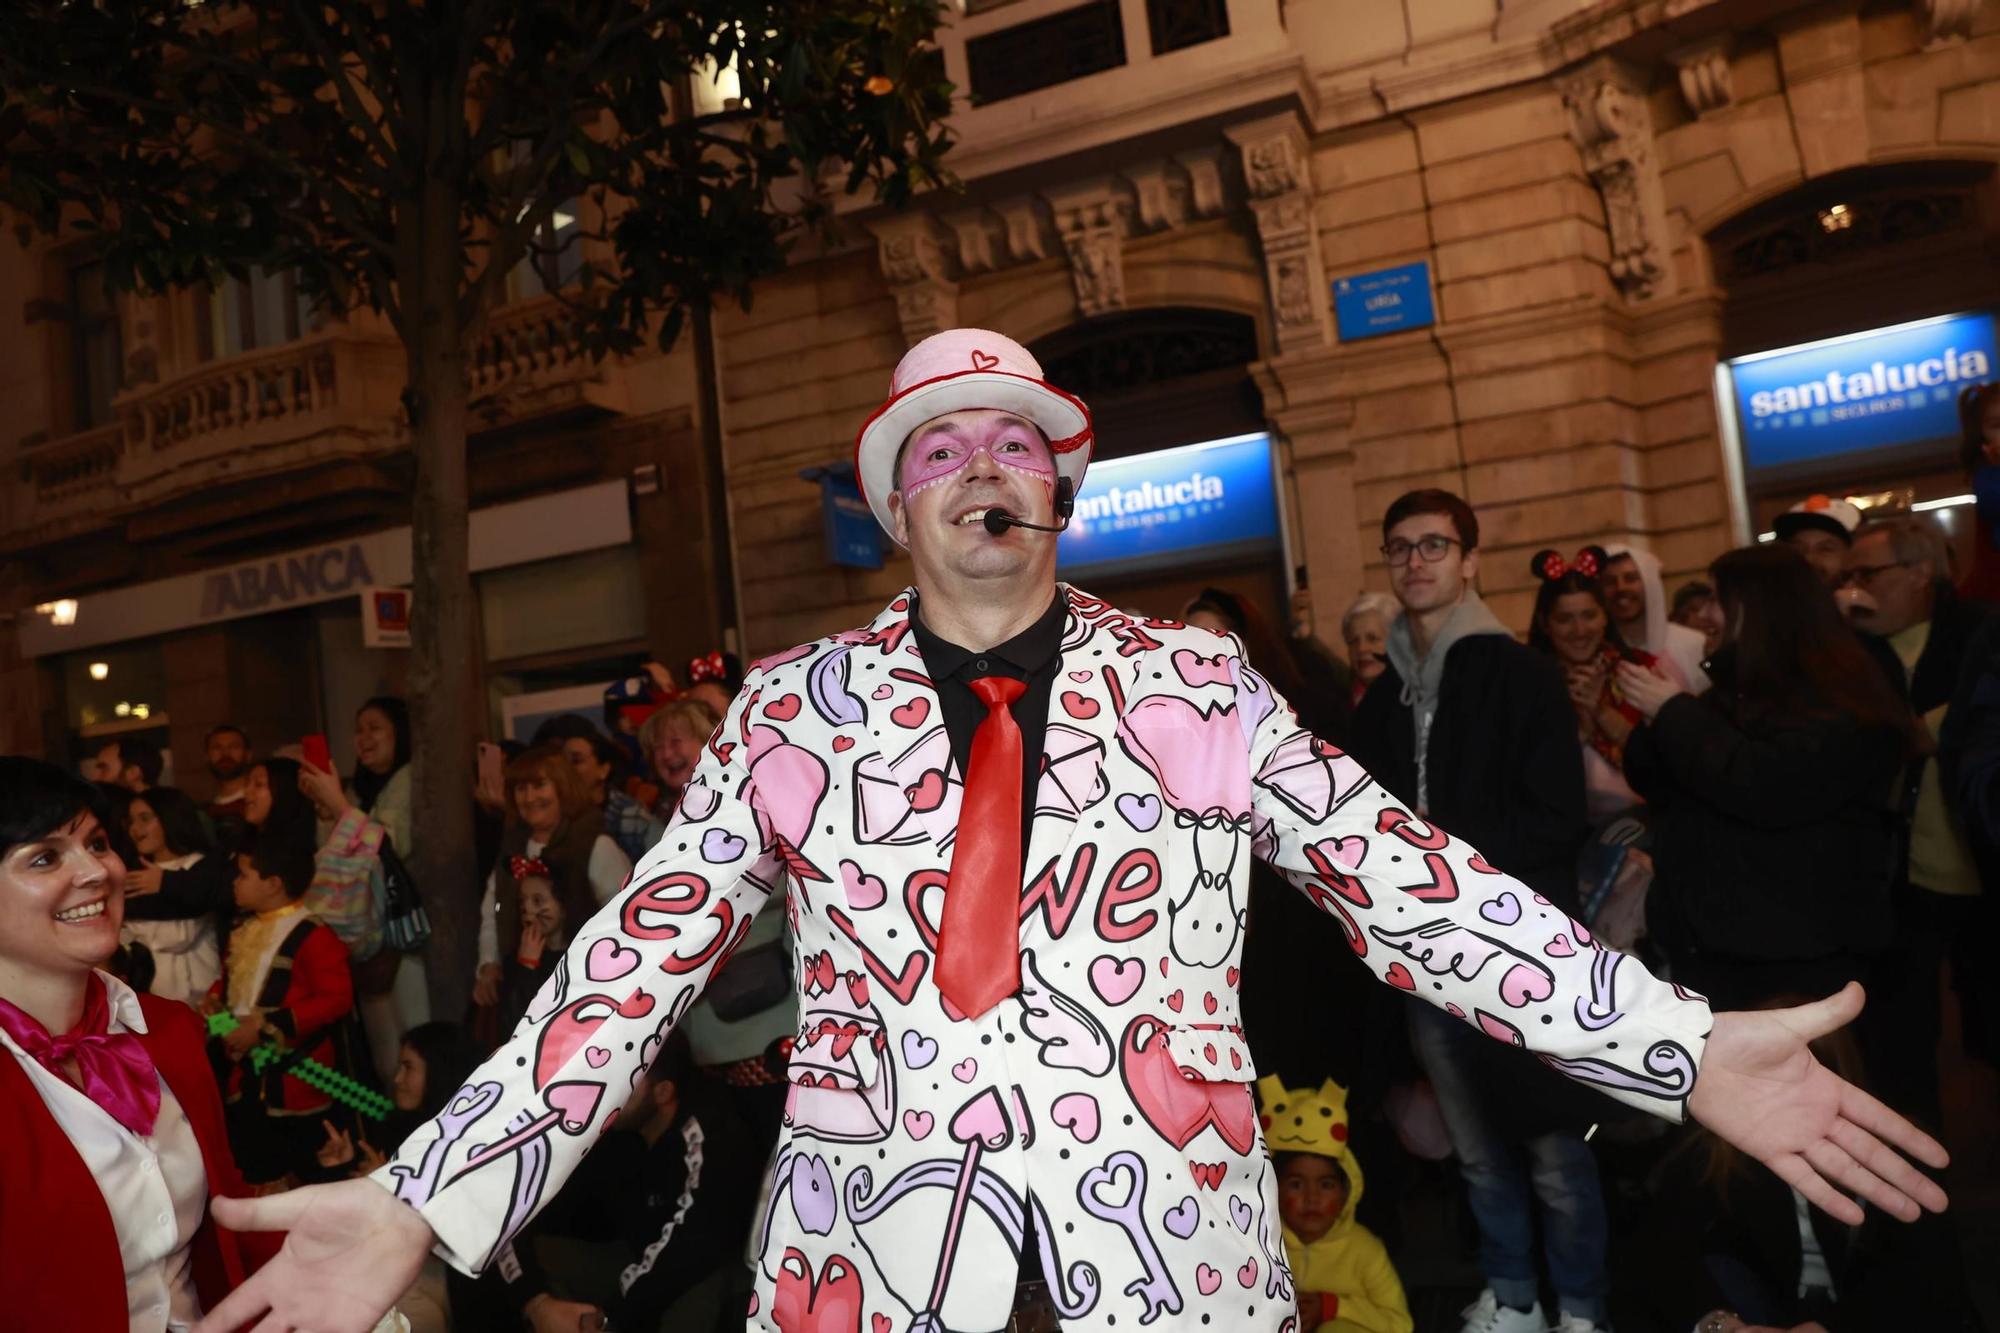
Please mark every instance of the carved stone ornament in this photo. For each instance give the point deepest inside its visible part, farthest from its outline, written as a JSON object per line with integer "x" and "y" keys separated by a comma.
{"x": 912, "y": 251}
{"x": 1276, "y": 169}
{"x": 1609, "y": 123}
{"x": 1947, "y": 21}
{"x": 1204, "y": 173}
{"x": 1706, "y": 85}
{"x": 1089, "y": 227}
{"x": 1023, "y": 226}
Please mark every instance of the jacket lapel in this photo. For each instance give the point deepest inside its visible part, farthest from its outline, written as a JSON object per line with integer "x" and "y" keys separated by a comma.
{"x": 910, "y": 788}
{"x": 1083, "y": 715}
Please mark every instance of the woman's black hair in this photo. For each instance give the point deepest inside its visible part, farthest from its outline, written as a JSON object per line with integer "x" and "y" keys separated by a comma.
{"x": 274, "y": 855}
{"x": 575, "y": 727}
{"x": 1972, "y": 405}
{"x": 37, "y": 799}
{"x": 292, "y": 823}
{"x": 113, "y": 803}
{"x": 180, "y": 820}
{"x": 1791, "y": 649}
{"x": 449, "y": 1060}
{"x": 367, "y": 783}
{"x": 1281, "y": 1160}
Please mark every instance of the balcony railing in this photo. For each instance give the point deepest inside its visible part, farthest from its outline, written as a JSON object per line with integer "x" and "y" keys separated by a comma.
{"x": 335, "y": 394}
{"x": 531, "y": 361}
{"x": 69, "y": 475}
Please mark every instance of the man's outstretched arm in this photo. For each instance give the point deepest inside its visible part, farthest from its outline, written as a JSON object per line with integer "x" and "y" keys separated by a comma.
{"x": 1427, "y": 914}
{"x": 506, "y": 1141}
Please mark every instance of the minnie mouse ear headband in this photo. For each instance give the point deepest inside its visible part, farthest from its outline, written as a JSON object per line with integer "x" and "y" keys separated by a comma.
{"x": 954, "y": 371}
{"x": 1548, "y": 566}
{"x": 719, "y": 667}
{"x": 1819, "y": 513}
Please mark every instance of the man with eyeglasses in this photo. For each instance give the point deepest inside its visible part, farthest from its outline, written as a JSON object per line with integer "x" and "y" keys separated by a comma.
{"x": 1476, "y": 731}
{"x": 1896, "y": 590}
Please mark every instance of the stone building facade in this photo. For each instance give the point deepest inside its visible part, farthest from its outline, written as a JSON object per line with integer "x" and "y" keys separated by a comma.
{"x": 1611, "y": 199}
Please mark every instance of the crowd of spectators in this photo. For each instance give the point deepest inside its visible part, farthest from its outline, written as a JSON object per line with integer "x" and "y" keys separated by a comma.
{"x": 1784, "y": 777}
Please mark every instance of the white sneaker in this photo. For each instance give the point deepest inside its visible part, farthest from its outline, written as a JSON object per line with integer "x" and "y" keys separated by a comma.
{"x": 1576, "y": 1323}
{"x": 1488, "y": 1315}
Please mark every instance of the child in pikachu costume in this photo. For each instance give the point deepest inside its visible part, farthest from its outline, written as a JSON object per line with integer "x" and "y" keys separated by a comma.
{"x": 1345, "y": 1281}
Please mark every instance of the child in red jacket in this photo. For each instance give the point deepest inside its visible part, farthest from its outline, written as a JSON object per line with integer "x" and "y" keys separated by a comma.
{"x": 285, "y": 978}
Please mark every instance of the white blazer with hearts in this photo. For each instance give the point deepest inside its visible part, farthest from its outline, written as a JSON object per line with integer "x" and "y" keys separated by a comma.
{"x": 1106, "y": 1109}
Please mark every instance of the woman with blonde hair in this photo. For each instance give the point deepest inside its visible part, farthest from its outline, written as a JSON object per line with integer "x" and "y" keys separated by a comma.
{"x": 552, "y": 828}
{"x": 1364, "y": 629}
{"x": 671, "y": 739}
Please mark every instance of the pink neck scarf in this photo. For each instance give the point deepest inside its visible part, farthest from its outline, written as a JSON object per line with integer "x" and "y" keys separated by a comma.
{"x": 114, "y": 1069}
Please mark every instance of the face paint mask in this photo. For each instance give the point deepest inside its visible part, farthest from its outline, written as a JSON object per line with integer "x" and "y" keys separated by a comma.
{"x": 939, "y": 455}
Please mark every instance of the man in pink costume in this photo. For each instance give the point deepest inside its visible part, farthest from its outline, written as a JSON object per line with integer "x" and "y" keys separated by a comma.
{"x": 1094, "y": 1130}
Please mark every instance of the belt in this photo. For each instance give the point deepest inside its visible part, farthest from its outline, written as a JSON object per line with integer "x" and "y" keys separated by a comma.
{"x": 759, "y": 1071}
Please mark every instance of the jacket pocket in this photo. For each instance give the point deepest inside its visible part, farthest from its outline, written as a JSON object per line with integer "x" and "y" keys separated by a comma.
{"x": 841, "y": 1054}
{"x": 1214, "y": 1053}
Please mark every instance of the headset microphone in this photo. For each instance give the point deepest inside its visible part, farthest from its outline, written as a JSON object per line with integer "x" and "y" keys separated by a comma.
{"x": 999, "y": 520}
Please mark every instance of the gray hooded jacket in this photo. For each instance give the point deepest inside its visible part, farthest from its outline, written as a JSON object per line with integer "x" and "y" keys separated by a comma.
{"x": 1423, "y": 676}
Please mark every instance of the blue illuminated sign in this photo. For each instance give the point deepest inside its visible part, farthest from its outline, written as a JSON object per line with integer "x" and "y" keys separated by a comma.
{"x": 1369, "y": 304}
{"x": 1200, "y": 501}
{"x": 852, "y": 536}
{"x": 1865, "y": 391}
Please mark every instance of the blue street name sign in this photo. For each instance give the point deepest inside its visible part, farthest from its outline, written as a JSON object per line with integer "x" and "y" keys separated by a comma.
{"x": 852, "y": 536}
{"x": 1173, "y": 506}
{"x": 1860, "y": 392}
{"x": 1367, "y": 305}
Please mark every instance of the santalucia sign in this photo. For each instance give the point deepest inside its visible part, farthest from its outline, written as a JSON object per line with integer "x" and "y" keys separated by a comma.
{"x": 1152, "y": 510}
{"x": 1882, "y": 389}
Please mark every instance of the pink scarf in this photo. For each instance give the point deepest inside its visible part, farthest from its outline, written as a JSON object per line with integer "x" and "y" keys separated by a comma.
{"x": 115, "y": 1069}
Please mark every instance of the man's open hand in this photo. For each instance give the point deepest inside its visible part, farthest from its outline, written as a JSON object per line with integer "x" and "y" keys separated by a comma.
{"x": 1761, "y": 1089}
{"x": 350, "y": 1250}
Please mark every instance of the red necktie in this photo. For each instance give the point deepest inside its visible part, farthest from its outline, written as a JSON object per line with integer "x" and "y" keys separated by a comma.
{"x": 979, "y": 941}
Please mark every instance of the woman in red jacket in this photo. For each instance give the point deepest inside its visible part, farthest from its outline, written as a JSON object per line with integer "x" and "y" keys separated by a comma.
{"x": 111, "y": 1131}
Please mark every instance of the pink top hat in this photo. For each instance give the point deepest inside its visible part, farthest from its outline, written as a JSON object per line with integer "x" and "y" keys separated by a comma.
{"x": 952, "y": 372}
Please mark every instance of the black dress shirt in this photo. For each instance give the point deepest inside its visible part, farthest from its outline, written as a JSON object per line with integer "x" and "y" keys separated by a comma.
{"x": 1034, "y": 656}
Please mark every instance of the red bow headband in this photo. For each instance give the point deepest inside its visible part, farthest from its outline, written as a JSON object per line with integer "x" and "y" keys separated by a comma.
{"x": 1548, "y": 565}
{"x": 529, "y": 867}
{"x": 710, "y": 667}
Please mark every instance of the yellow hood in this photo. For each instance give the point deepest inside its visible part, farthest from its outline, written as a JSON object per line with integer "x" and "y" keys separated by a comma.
{"x": 1313, "y": 1121}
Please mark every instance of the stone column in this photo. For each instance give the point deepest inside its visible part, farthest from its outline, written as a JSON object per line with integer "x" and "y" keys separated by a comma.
{"x": 1277, "y": 171}
{"x": 1304, "y": 399}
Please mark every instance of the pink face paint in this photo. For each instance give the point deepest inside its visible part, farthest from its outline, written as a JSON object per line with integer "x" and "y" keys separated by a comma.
{"x": 939, "y": 452}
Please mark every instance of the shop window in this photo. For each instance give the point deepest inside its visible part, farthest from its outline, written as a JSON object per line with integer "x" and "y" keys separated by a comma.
{"x": 555, "y": 255}
{"x": 114, "y": 689}
{"x": 96, "y": 356}
{"x": 1182, "y": 23}
{"x": 556, "y": 606}
{"x": 554, "y": 259}
{"x": 1046, "y": 51}
{"x": 262, "y": 309}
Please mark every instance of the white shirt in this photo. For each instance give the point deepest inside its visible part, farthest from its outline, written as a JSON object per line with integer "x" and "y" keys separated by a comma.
{"x": 155, "y": 1188}
{"x": 609, "y": 867}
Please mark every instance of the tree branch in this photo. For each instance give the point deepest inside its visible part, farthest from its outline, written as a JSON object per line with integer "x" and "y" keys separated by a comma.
{"x": 348, "y": 217}
{"x": 336, "y": 71}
